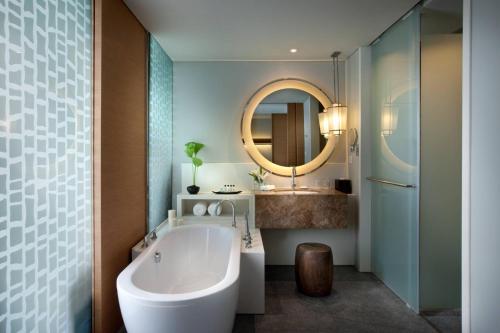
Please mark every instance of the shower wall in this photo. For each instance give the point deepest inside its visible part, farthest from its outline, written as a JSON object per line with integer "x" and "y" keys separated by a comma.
{"x": 395, "y": 154}
{"x": 440, "y": 171}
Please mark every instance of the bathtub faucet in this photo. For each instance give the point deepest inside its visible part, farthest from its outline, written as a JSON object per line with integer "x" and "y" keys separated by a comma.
{"x": 248, "y": 236}
{"x": 232, "y": 206}
{"x": 149, "y": 237}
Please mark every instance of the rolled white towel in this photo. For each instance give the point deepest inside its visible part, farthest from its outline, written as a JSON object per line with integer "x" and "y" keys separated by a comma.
{"x": 213, "y": 210}
{"x": 200, "y": 208}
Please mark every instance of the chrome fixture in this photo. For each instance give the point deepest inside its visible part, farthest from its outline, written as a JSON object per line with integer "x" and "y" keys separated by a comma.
{"x": 232, "y": 206}
{"x": 150, "y": 237}
{"x": 390, "y": 182}
{"x": 294, "y": 174}
{"x": 157, "y": 257}
{"x": 353, "y": 141}
{"x": 248, "y": 236}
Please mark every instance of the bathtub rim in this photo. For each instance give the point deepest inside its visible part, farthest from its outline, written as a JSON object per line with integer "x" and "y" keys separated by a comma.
{"x": 125, "y": 285}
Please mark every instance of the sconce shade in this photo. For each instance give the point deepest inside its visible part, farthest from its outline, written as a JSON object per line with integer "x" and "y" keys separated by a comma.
{"x": 337, "y": 116}
{"x": 389, "y": 119}
{"x": 324, "y": 123}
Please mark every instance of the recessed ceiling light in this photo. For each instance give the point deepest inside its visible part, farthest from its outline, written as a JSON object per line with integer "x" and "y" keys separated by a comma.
{"x": 293, "y": 50}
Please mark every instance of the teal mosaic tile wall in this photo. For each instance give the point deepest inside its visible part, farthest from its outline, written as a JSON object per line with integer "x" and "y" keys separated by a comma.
{"x": 159, "y": 134}
{"x": 45, "y": 165}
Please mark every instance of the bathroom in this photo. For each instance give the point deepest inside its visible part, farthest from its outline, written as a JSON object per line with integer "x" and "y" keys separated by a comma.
{"x": 235, "y": 166}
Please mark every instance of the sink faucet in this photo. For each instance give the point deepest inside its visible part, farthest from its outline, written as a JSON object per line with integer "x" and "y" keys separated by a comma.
{"x": 294, "y": 174}
{"x": 232, "y": 206}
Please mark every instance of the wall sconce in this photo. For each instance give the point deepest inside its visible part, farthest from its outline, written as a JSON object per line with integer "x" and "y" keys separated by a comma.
{"x": 389, "y": 119}
{"x": 353, "y": 141}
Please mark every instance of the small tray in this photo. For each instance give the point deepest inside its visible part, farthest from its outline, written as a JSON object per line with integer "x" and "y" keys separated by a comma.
{"x": 233, "y": 192}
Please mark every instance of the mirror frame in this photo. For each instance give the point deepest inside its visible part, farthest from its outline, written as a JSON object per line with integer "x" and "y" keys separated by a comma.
{"x": 246, "y": 127}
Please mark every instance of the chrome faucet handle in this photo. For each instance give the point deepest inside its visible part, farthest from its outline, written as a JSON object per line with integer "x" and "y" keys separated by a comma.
{"x": 246, "y": 226}
{"x": 149, "y": 237}
{"x": 248, "y": 237}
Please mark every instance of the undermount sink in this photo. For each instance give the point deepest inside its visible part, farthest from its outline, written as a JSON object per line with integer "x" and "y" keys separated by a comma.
{"x": 297, "y": 192}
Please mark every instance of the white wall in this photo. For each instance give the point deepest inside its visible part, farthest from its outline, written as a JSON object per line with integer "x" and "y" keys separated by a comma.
{"x": 280, "y": 244}
{"x": 209, "y": 98}
{"x": 440, "y": 171}
{"x": 481, "y": 172}
{"x": 357, "y": 84}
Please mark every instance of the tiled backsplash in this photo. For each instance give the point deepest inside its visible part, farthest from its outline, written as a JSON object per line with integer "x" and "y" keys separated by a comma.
{"x": 159, "y": 134}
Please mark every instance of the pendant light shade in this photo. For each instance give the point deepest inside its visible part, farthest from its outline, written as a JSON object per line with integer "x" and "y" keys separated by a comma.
{"x": 337, "y": 116}
{"x": 333, "y": 121}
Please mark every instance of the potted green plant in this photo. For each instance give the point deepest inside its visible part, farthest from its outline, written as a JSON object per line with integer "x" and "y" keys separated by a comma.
{"x": 191, "y": 150}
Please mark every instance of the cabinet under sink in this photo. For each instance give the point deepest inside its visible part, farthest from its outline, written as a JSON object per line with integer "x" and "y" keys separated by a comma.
{"x": 301, "y": 209}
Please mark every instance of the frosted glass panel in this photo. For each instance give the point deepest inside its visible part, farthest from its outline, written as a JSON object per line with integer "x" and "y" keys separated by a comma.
{"x": 45, "y": 166}
{"x": 395, "y": 157}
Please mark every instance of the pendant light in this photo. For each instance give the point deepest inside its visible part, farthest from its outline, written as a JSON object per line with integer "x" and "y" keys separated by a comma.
{"x": 336, "y": 114}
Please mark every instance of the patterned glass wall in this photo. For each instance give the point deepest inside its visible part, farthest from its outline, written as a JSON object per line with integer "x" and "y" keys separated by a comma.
{"x": 45, "y": 165}
{"x": 160, "y": 134}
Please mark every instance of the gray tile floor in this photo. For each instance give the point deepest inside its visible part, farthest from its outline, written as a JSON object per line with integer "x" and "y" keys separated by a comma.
{"x": 359, "y": 303}
{"x": 445, "y": 321}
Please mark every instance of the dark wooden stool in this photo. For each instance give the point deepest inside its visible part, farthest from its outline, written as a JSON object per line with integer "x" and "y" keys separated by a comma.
{"x": 314, "y": 269}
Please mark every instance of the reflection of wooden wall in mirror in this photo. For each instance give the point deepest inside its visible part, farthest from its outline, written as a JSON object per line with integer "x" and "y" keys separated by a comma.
{"x": 299, "y": 133}
{"x": 279, "y": 139}
{"x": 288, "y": 136}
{"x": 322, "y": 139}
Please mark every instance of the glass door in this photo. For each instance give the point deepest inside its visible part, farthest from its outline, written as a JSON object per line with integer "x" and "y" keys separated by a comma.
{"x": 395, "y": 156}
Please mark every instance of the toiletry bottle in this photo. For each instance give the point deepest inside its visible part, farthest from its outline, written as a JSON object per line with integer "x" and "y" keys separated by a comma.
{"x": 171, "y": 218}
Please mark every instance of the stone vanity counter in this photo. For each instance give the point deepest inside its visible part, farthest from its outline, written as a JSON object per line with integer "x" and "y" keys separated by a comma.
{"x": 320, "y": 210}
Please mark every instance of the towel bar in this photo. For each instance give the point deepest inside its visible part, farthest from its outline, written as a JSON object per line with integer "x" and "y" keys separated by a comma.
{"x": 388, "y": 182}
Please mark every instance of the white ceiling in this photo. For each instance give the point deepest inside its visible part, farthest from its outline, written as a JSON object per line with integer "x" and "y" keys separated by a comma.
{"x": 191, "y": 30}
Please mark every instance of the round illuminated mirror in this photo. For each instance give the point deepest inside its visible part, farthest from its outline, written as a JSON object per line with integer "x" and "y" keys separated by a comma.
{"x": 280, "y": 127}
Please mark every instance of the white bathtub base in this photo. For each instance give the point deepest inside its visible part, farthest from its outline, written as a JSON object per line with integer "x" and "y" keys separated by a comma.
{"x": 153, "y": 297}
{"x": 252, "y": 277}
{"x": 211, "y": 314}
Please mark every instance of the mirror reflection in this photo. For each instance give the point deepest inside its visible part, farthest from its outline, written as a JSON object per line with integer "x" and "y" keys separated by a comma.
{"x": 285, "y": 127}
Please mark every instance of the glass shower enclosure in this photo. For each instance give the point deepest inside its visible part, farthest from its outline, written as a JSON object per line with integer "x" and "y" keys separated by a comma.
{"x": 395, "y": 136}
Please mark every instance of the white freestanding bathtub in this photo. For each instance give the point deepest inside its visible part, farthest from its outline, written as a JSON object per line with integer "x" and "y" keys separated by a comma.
{"x": 185, "y": 282}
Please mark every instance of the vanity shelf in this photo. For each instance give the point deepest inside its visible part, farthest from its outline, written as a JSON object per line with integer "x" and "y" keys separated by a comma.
{"x": 243, "y": 202}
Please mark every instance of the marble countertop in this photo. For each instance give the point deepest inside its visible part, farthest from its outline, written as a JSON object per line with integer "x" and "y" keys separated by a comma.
{"x": 302, "y": 191}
